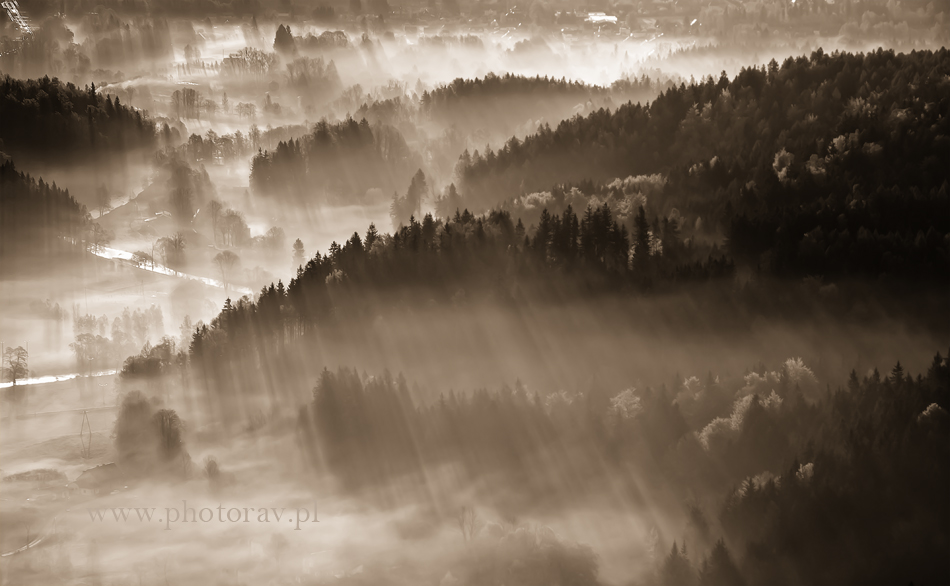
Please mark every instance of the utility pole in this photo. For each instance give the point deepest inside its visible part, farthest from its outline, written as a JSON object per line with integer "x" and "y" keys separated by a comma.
{"x": 85, "y": 436}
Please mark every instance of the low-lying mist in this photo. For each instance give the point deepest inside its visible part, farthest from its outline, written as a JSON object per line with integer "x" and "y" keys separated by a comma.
{"x": 457, "y": 293}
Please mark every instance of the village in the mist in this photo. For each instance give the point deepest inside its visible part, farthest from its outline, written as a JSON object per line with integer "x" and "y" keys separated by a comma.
{"x": 474, "y": 293}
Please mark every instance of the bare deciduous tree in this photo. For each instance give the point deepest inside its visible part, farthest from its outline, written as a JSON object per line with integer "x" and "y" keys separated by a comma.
{"x": 103, "y": 200}
{"x": 172, "y": 249}
{"x": 216, "y": 208}
{"x": 226, "y": 262}
{"x": 469, "y": 523}
{"x": 99, "y": 237}
{"x": 233, "y": 227}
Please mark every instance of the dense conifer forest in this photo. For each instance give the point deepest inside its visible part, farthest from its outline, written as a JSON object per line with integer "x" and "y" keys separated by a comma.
{"x": 49, "y": 116}
{"x": 333, "y": 161}
{"x": 38, "y": 220}
{"x": 824, "y": 166}
{"x": 804, "y": 485}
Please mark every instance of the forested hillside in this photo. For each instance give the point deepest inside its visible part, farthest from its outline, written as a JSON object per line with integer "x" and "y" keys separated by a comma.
{"x": 334, "y": 163}
{"x": 50, "y": 117}
{"x": 804, "y": 106}
{"x": 862, "y": 223}
{"x": 489, "y": 257}
{"x": 495, "y": 103}
{"x": 832, "y": 165}
{"x": 38, "y": 220}
{"x": 801, "y": 482}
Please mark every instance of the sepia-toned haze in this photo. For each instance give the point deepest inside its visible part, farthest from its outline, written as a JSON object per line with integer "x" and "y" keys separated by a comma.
{"x": 559, "y": 293}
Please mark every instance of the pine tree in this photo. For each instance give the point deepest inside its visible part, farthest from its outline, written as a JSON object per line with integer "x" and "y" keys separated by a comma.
{"x": 676, "y": 570}
{"x": 897, "y": 374}
{"x": 371, "y": 237}
{"x": 641, "y": 246}
{"x": 719, "y": 570}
